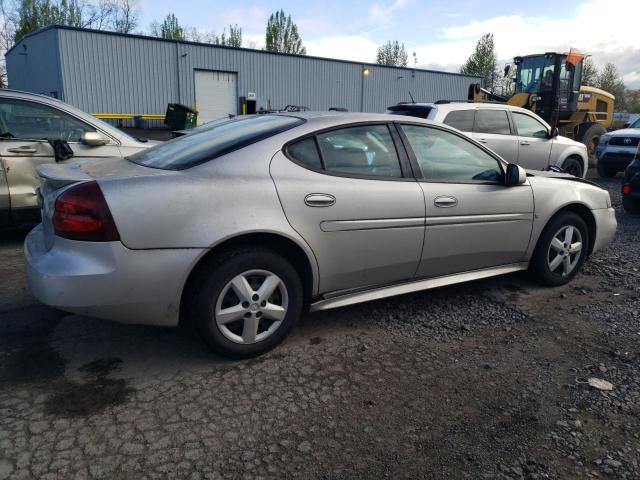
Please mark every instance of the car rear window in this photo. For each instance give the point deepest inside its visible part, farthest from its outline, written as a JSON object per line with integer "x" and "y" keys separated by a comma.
{"x": 409, "y": 110}
{"x": 199, "y": 147}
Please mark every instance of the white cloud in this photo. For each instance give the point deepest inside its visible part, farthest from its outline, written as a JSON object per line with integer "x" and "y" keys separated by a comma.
{"x": 605, "y": 29}
{"x": 379, "y": 12}
{"x": 345, "y": 47}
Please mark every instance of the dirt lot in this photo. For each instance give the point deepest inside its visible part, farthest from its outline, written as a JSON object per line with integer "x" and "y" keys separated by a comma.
{"x": 482, "y": 380}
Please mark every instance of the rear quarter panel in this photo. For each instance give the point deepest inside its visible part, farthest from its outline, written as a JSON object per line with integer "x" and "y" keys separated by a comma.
{"x": 203, "y": 206}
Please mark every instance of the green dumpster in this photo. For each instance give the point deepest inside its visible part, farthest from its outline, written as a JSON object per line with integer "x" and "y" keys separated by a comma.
{"x": 180, "y": 117}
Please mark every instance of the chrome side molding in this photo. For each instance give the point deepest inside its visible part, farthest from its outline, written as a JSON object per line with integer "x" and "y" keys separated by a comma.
{"x": 414, "y": 286}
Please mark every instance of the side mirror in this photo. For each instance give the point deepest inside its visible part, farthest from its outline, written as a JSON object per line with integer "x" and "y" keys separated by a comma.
{"x": 626, "y": 125}
{"x": 516, "y": 175}
{"x": 554, "y": 132}
{"x": 506, "y": 70}
{"x": 94, "y": 139}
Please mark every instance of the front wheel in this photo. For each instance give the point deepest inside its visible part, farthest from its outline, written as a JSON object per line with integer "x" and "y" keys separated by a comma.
{"x": 573, "y": 166}
{"x": 561, "y": 250}
{"x": 248, "y": 303}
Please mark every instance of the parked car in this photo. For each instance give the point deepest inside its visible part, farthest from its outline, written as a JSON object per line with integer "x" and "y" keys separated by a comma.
{"x": 30, "y": 127}
{"x": 239, "y": 227}
{"x": 631, "y": 185}
{"x": 517, "y": 135}
{"x": 616, "y": 149}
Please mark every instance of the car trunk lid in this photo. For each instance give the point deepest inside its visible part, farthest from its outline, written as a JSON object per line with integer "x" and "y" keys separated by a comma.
{"x": 56, "y": 177}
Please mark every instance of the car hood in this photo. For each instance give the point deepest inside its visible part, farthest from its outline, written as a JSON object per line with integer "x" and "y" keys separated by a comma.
{"x": 559, "y": 176}
{"x": 625, "y": 132}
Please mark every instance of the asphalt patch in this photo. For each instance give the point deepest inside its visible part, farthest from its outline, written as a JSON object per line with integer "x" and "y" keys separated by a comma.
{"x": 79, "y": 400}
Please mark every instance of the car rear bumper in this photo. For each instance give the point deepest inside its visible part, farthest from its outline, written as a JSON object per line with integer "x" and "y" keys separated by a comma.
{"x": 108, "y": 280}
{"x": 606, "y": 226}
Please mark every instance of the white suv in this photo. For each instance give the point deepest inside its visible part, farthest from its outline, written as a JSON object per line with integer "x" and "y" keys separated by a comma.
{"x": 517, "y": 135}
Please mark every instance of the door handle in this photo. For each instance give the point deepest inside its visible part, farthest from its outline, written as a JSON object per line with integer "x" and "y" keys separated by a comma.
{"x": 525, "y": 143}
{"x": 482, "y": 140}
{"x": 319, "y": 200}
{"x": 22, "y": 150}
{"x": 445, "y": 201}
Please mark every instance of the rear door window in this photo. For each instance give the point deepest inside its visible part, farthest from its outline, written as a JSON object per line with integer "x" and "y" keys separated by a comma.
{"x": 492, "y": 121}
{"x": 461, "y": 119}
{"x": 306, "y": 151}
{"x": 362, "y": 150}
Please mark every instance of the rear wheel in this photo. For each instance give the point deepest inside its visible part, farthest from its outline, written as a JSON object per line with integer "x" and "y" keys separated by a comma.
{"x": 561, "y": 250}
{"x": 248, "y": 302}
{"x": 573, "y": 166}
{"x": 631, "y": 205}
{"x": 604, "y": 171}
{"x": 589, "y": 134}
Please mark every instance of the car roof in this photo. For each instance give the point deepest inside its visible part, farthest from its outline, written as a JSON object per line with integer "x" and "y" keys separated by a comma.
{"x": 333, "y": 117}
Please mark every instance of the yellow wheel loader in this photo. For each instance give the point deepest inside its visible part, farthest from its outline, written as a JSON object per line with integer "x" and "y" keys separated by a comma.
{"x": 550, "y": 85}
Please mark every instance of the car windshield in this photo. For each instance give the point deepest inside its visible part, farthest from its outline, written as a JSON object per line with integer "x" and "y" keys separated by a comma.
{"x": 635, "y": 124}
{"x": 201, "y": 146}
{"x": 535, "y": 74}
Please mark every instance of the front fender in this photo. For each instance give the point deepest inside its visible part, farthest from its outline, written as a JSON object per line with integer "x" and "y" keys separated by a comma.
{"x": 552, "y": 195}
{"x": 573, "y": 151}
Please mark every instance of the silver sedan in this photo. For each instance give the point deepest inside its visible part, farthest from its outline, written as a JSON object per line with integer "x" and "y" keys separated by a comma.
{"x": 239, "y": 227}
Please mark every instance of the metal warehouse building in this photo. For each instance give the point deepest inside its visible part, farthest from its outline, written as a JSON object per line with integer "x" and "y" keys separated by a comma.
{"x": 110, "y": 73}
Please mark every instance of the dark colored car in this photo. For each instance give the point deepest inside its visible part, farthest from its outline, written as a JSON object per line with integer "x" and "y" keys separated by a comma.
{"x": 617, "y": 149}
{"x": 631, "y": 185}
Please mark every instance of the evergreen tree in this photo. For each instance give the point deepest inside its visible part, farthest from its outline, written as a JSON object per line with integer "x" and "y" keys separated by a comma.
{"x": 392, "y": 53}
{"x": 282, "y": 35}
{"x": 482, "y": 61}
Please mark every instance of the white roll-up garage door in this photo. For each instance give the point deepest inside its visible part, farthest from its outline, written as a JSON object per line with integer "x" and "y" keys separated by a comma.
{"x": 216, "y": 95}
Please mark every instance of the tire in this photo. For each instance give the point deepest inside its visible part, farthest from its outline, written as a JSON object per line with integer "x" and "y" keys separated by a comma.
{"x": 215, "y": 301}
{"x": 545, "y": 254}
{"x": 631, "y": 205}
{"x": 574, "y": 166}
{"x": 589, "y": 134}
{"x": 604, "y": 171}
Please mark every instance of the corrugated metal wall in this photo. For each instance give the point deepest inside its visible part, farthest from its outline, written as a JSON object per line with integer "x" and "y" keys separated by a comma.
{"x": 109, "y": 73}
{"x": 34, "y": 65}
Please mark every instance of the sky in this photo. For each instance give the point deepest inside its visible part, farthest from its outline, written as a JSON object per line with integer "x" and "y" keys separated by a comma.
{"x": 441, "y": 33}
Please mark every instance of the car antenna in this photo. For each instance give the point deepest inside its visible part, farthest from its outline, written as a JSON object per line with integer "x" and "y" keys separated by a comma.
{"x": 411, "y": 96}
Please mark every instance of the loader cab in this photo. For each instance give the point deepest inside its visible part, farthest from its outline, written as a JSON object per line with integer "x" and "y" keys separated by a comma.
{"x": 552, "y": 81}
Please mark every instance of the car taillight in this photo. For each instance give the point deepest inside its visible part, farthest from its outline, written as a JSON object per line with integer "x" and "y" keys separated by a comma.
{"x": 626, "y": 189}
{"x": 82, "y": 213}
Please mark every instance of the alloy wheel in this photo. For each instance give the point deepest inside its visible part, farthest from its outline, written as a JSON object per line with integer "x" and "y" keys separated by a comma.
{"x": 564, "y": 250}
{"x": 251, "y": 307}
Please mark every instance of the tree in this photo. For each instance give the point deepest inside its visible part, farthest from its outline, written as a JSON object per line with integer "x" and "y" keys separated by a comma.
{"x": 392, "y": 53}
{"x": 171, "y": 28}
{"x": 35, "y": 14}
{"x": 233, "y": 40}
{"x": 482, "y": 61}
{"x": 125, "y": 16}
{"x": 282, "y": 35}
{"x": 589, "y": 72}
{"x": 609, "y": 80}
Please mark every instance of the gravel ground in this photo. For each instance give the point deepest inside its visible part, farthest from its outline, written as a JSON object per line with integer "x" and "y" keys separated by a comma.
{"x": 482, "y": 380}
